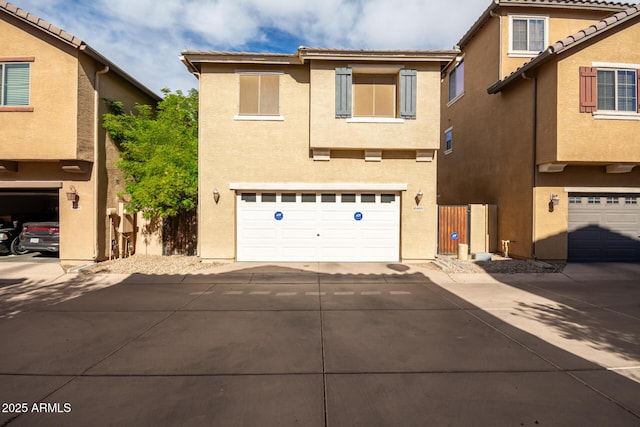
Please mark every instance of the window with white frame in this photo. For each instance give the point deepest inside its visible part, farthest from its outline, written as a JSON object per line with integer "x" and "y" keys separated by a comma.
{"x": 617, "y": 90}
{"x": 528, "y": 35}
{"x": 259, "y": 94}
{"x": 456, "y": 82}
{"x": 14, "y": 84}
{"x": 448, "y": 140}
{"x": 610, "y": 90}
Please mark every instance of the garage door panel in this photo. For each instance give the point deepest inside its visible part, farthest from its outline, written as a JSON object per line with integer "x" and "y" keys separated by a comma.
{"x": 604, "y": 231}
{"x": 324, "y": 230}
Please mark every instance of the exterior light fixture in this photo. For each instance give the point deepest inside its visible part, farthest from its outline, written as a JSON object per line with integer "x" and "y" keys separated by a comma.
{"x": 72, "y": 194}
{"x": 418, "y": 197}
{"x": 554, "y": 201}
{"x": 216, "y": 195}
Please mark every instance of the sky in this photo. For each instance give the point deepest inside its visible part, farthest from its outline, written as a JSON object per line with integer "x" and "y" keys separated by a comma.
{"x": 145, "y": 37}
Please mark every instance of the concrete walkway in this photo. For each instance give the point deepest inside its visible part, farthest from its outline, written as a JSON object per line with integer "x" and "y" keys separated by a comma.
{"x": 322, "y": 344}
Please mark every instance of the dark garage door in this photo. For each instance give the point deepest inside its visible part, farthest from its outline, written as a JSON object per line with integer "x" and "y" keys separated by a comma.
{"x": 604, "y": 227}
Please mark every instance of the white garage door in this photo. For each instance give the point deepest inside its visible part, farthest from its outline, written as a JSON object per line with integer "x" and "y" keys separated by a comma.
{"x": 318, "y": 226}
{"x": 604, "y": 227}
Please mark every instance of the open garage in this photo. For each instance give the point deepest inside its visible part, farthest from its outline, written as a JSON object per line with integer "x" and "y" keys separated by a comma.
{"x": 21, "y": 205}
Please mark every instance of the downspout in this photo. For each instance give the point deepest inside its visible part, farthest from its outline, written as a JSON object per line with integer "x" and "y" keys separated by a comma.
{"x": 534, "y": 177}
{"x": 96, "y": 164}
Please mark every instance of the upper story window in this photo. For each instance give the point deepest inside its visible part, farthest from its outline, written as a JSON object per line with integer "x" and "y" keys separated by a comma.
{"x": 259, "y": 96}
{"x": 448, "y": 141}
{"x": 379, "y": 95}
{"x": 617, "y": 90}
{"x": 610, "y": 91}
{"x": 374, "y": 95}
{"x": 456, "y": 82}
{"x": 528, "y": 35}
{"x": 14, "y": 84}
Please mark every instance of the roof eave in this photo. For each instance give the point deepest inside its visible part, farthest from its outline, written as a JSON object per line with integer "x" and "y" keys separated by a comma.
{"x": 495, "y": 4}
{"x": 378, "y": 56}
{"x": 113, "y": 67}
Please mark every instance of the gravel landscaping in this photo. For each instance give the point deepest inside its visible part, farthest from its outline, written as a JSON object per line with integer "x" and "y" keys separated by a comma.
{"x": 148, "y": 264}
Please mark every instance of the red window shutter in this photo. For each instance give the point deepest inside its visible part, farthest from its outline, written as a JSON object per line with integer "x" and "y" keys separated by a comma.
{"x": 588, "y": 89}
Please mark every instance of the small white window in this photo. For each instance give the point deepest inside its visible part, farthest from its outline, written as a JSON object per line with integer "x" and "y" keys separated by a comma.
{"x": 268, "y": 197}
{"x": 575, "y": 200}
{"x": 528, "y": 35}
{"x": 617, "y": 90}
{"x": 593, "y": 200}
{"x": 613, "y": 201}
{"x": 630, "y": 200}
{"x": 348, "y": 198}
{"x": 308, "y": 198}
{"x": 456, "y": 82}
{"x": 328, "y": 198}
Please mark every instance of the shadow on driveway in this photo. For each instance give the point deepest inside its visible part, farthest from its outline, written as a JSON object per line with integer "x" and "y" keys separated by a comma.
{"x": 279, "y": 346}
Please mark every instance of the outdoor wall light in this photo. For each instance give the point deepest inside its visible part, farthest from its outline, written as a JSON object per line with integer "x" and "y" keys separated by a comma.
{"x": 72, "y": 194}
{"x": 216, "y": 195}
{"x": 418, "y": 197}
{"x": 554, "y": 201}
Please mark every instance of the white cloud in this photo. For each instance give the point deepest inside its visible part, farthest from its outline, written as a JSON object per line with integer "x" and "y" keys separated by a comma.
{"x": 145, "y": 37}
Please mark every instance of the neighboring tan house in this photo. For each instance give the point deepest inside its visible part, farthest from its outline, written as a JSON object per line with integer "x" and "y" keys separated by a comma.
{"x": 321, "y": 155}
{"x": 55, "y": 159}
{"x": 548, "y": 131}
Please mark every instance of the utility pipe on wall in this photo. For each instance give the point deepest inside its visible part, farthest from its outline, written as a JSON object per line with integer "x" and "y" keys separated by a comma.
{"x": 96, "y": 154}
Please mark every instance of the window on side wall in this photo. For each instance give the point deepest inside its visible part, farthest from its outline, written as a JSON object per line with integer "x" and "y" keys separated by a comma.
{"x": 610, "y": 91}
{"x": 456, "y": 82}
{"x": 448, "y": 141}
{"x": 259, "y": 95}
{"x": 528, "y": 35}
{"x": 14, "y": 84}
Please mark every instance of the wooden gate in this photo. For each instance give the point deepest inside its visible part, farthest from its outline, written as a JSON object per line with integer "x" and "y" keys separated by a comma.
{"x": 453, "y": 228}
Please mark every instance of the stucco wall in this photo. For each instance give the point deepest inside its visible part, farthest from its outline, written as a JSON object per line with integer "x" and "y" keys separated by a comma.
{"x": 267, "y": 152}
{"x": 53, "y": 96}
{"x": 581, "y": 138}
{"x": 562, "y": 23}
{"x": 327, "y": 132}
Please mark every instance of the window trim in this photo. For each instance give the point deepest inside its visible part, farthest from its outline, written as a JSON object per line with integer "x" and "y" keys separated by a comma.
{"x": 614, "y": 114}
{"x": 527, "y": 53}
{"x": 15, "y": 61}
{"x": 453, "y": 74}
{"x": 448, "y": 131}
{"x": 259, "y": 117}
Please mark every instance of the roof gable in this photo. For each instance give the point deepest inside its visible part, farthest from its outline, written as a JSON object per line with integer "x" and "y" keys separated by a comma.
{"x": 571, "y": 42}
{"x": 58, "y": 33}
{"x": 606, "y": 6}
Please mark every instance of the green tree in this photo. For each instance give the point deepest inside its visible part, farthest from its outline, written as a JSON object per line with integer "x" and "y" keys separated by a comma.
{"x": 159, "y": 153}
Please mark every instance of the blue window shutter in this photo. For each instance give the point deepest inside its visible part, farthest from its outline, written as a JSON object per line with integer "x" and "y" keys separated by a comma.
{"x": 343, "y": 92}
{"x": 408, "y": 90}
{"x": 16, "y": 84}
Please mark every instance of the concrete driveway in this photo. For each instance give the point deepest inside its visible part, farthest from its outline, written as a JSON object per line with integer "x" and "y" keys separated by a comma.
{"x": 335, "y": 345}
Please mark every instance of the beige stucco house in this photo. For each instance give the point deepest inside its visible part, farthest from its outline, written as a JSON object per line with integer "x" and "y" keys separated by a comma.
{"x": 320, "y": 155}
{"x": 541, "y": 116}
{"x": 52, "y": 144}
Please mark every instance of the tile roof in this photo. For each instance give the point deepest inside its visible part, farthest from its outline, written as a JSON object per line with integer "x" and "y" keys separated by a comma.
{"x": 40, "y": 23}
{"x": 570, "y": 42}
{"x": 71, "y": 40}
{"x": 557, "y": 4}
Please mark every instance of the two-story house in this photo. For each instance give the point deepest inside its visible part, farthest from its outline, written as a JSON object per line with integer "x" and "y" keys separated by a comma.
{"x": 541, "y": 116}
{"x": 320, "y": 155}
{"x": 56, "y": 162}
